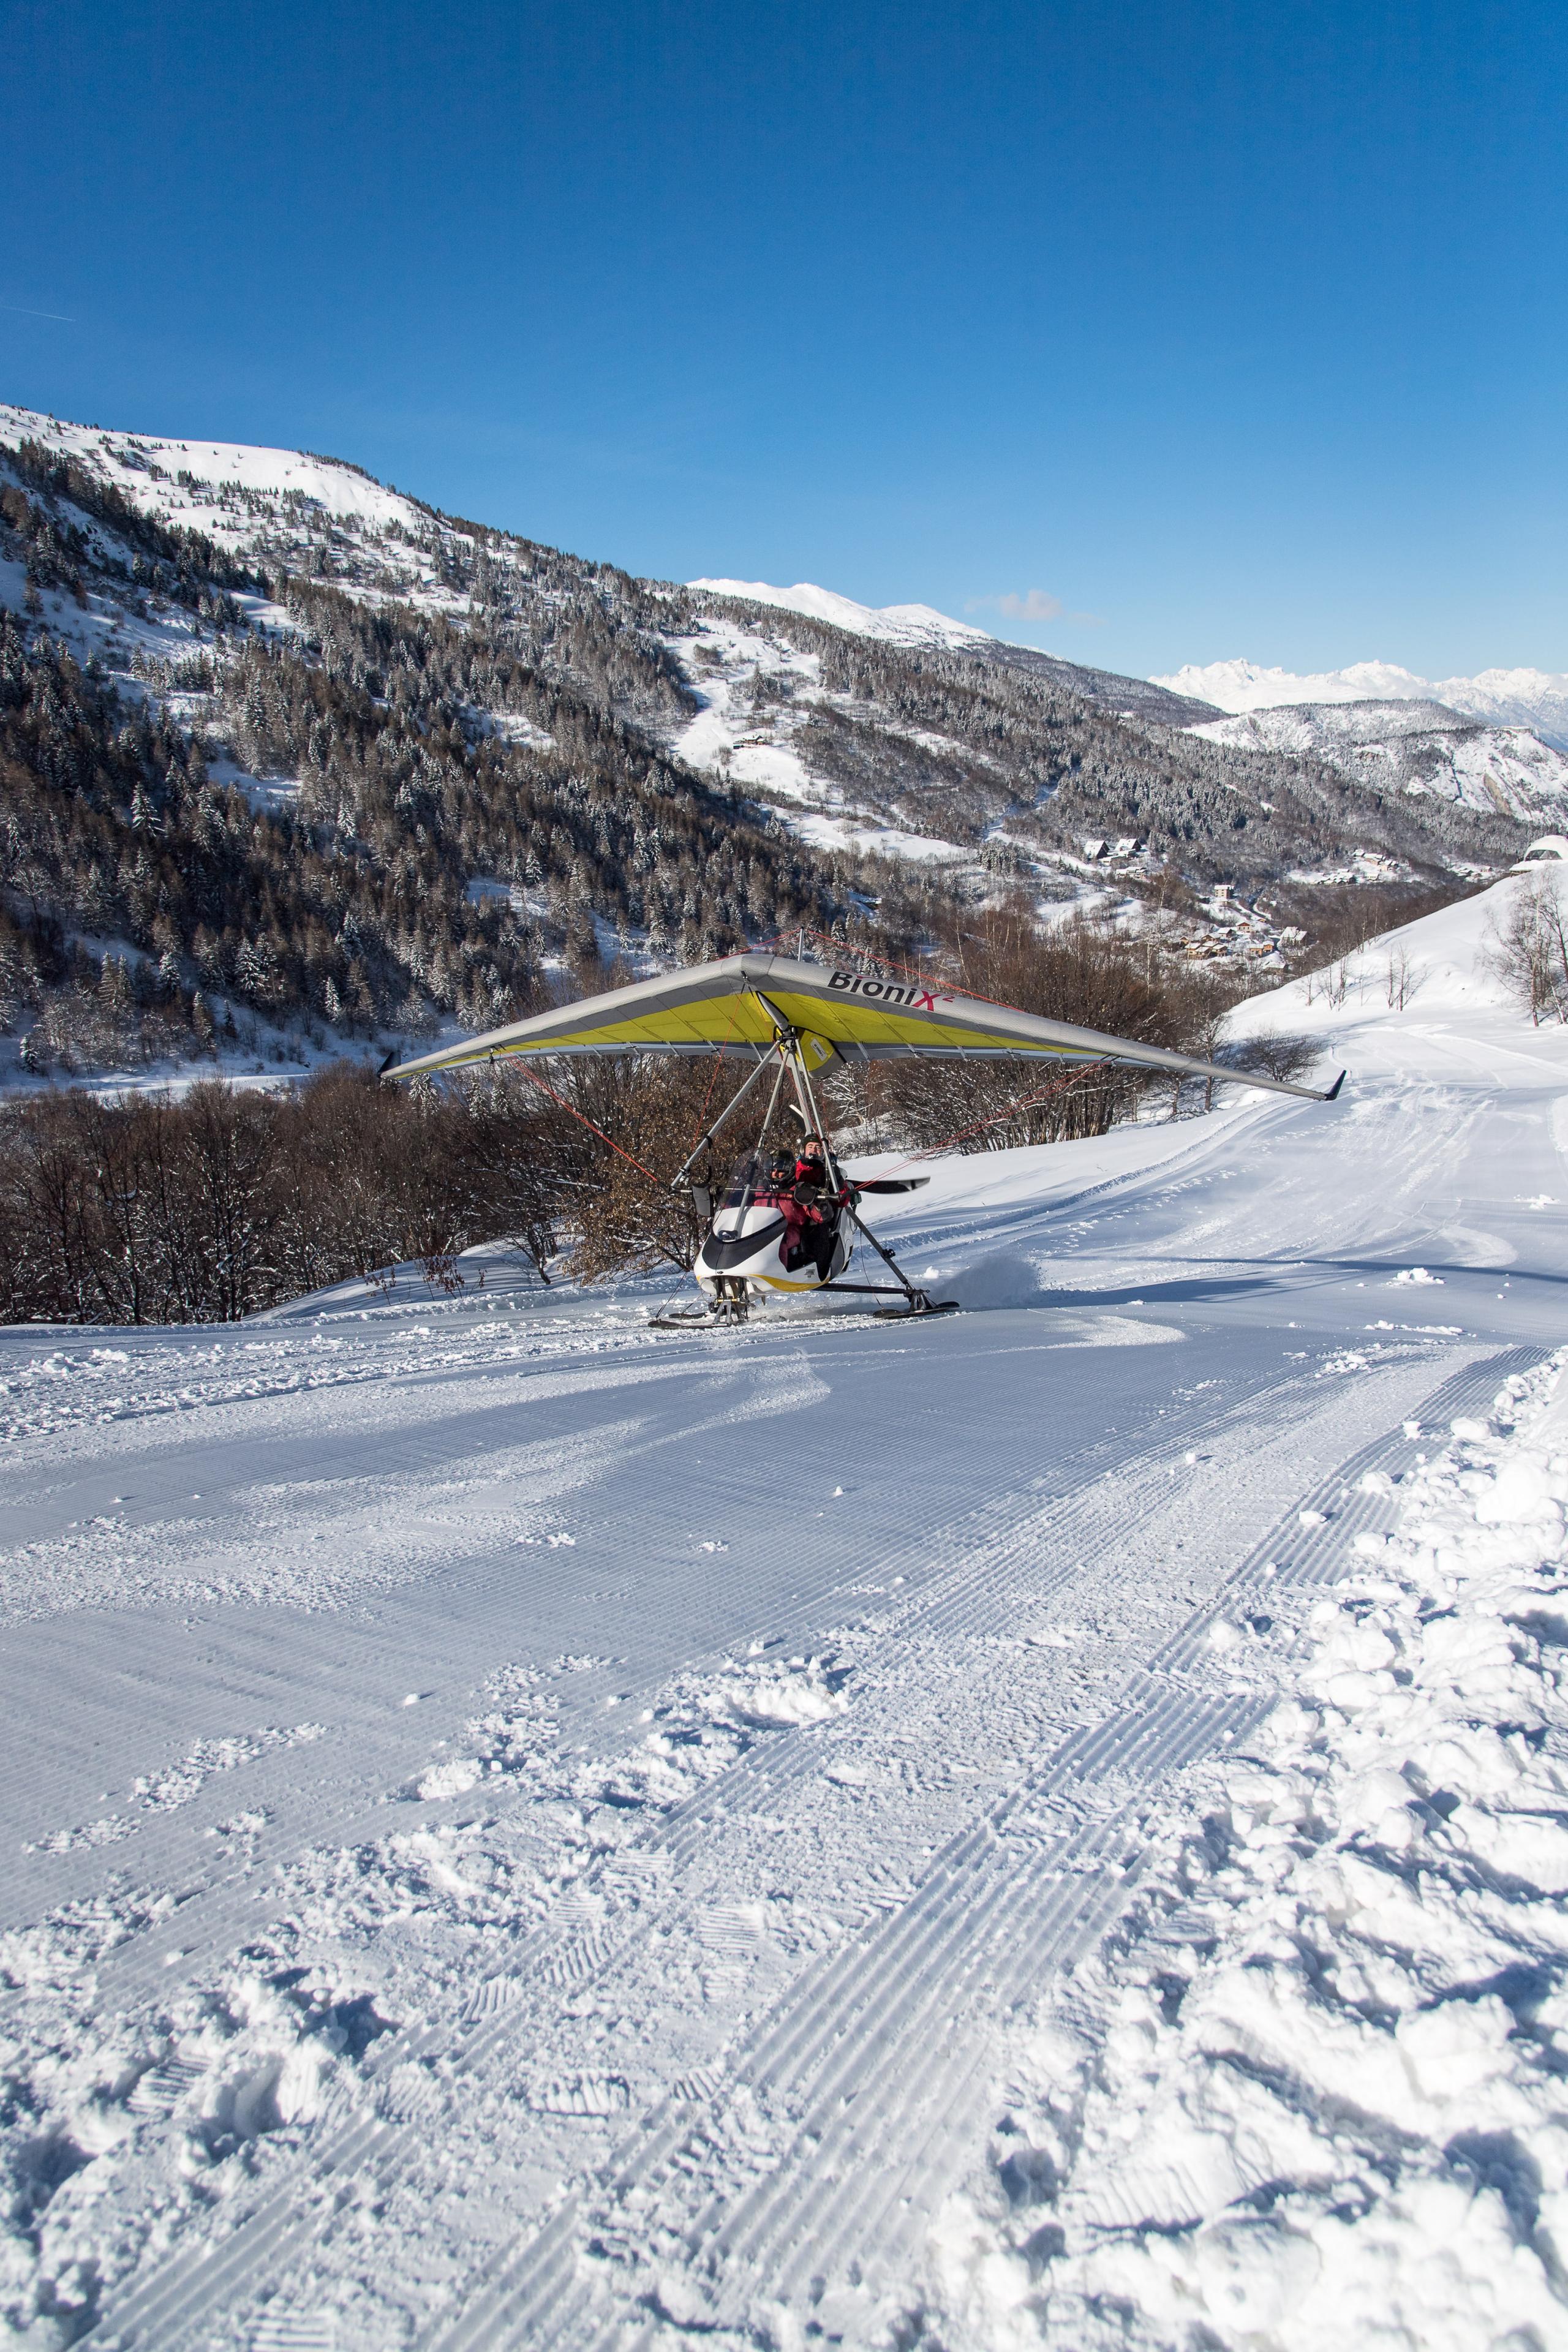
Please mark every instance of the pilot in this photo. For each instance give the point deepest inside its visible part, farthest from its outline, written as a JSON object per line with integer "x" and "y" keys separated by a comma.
{"x": 811, "y": 1167}
{"x": 810, "y": 1220}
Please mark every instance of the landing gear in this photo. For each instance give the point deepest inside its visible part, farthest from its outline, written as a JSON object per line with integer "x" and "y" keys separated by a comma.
{"x": 920, "y": 1302}
{"x": 916, "y": 1302}
{"x": 730, "y": 1305}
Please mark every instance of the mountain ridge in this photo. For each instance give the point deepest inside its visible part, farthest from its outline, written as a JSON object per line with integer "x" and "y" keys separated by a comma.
{"x": 295, "y": 751}
{"x": 1524, "y": 697}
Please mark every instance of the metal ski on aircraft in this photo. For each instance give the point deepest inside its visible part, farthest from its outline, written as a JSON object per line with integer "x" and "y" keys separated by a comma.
{"x": 789, "y": 1223}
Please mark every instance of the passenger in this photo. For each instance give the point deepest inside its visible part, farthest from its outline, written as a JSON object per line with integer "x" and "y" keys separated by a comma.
{"x": 811, "y": 1222}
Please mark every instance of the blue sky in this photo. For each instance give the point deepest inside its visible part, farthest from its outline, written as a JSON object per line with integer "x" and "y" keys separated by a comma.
{"x": 1224, "y": 329}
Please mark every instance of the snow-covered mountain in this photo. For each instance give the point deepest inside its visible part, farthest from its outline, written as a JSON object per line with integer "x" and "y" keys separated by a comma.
{"x": 1536, "y": 698}
{"x": 922, "y": 628}
{"x": 1415, "y": 747}
{"x": 389, "y": 768}
{"x": 895, "y": 624}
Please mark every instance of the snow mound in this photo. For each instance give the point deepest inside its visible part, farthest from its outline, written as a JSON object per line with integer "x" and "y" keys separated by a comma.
{"x": 1317, "y": 2101}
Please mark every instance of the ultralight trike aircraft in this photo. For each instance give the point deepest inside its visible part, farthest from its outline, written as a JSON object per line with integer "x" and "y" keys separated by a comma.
{"x": 768, "y": 1231}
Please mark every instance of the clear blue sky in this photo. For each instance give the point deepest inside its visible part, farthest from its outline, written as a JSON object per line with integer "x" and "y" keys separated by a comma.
{"x": 1233, "y": 329}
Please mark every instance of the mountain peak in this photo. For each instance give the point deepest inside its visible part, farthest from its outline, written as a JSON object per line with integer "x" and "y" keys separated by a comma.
{"x": 1536, "y": 698}
{"x": 898, "y": 625}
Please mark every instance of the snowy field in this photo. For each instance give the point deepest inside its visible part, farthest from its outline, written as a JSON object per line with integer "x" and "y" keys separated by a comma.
{"x": 1045, "y": 1828}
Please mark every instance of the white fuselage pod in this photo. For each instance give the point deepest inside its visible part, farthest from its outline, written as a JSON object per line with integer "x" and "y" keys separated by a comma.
{"x": 750, "y": 1241}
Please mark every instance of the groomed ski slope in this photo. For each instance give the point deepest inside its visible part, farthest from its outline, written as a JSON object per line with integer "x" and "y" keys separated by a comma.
{"x": 525, "y": 1830}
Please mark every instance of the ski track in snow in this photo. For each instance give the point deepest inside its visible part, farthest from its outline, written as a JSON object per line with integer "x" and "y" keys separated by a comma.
{"x": 523, "y": 1829}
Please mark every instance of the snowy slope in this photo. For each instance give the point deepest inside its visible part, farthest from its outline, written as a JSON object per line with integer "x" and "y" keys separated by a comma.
{"x": 1535, "y": 698}
{"x": 127, "y": 459}
{"x": 258, "y": 505}
{"x": 278, "y": 509}
{"x": 897, "y": 624}
{"x": 868, "y": 764}
{"x": 525, "y": 1830}
{"x": 1416, "y": 747}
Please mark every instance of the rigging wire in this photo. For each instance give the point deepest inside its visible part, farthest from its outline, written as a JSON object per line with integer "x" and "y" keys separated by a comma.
{"x": 1027, "y": 1102}
{"x": 724, "y": 1043}
{"x": 534, "y": 1079}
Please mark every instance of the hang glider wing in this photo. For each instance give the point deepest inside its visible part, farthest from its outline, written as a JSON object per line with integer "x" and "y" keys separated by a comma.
{"x": 747, "y": 1001}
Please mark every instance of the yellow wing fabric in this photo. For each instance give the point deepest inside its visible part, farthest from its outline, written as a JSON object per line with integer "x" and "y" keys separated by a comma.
{"x": 749, "y": 1001}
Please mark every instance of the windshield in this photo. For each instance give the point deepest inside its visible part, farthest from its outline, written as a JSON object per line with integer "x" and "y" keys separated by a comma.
{"x": 759, "y": 1176}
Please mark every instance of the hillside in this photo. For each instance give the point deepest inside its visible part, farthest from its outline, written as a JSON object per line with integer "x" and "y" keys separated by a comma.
{"x": 1044, "y": 1828}
{"x": 1413, "y": 747}
{"x": 291, "y": 759}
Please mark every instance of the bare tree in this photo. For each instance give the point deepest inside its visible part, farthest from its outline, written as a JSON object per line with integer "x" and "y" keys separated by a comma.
{"x": 1528, "y": 948}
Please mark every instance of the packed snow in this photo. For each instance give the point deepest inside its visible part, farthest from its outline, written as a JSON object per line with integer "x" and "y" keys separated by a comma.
{"x": 1041, "y": 1828}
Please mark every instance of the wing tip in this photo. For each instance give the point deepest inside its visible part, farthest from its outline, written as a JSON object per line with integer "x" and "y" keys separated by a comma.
{"x": 387, "y": 1064}
{"x": 1334, "y": 1093}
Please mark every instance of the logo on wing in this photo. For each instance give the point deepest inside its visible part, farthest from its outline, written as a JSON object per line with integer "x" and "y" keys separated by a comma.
{"x": 883, "y": 991}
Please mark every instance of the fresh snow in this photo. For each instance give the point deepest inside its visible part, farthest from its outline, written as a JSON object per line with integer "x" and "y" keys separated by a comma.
{"x": 524, "y": 1829}
{"x": 1310, "y": 2092}
{"x": 1535, "y": 698}
{"x": 339, "y": 489}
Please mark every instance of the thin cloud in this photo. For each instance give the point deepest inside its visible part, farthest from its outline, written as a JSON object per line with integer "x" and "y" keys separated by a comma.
{"x": 1034, "y": 604}
{"x": 58, "y": 316}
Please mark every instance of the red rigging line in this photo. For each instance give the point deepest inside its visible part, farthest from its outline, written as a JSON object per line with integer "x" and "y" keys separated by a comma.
{"x": 1027, "y": 1102}
{"x": 534, "y": 1079}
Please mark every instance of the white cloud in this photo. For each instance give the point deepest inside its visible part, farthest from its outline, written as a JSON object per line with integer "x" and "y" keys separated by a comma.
{"x": 1034, "y": 604}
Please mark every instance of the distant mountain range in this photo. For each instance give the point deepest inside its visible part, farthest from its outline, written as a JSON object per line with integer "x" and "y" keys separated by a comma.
{"x": 1468, "y": 740}
{"x": 1410, "y": 747}
{"x": 1536, "y": 698}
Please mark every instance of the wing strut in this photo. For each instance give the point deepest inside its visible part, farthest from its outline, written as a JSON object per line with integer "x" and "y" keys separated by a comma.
{"x": 739, "y": 1093}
